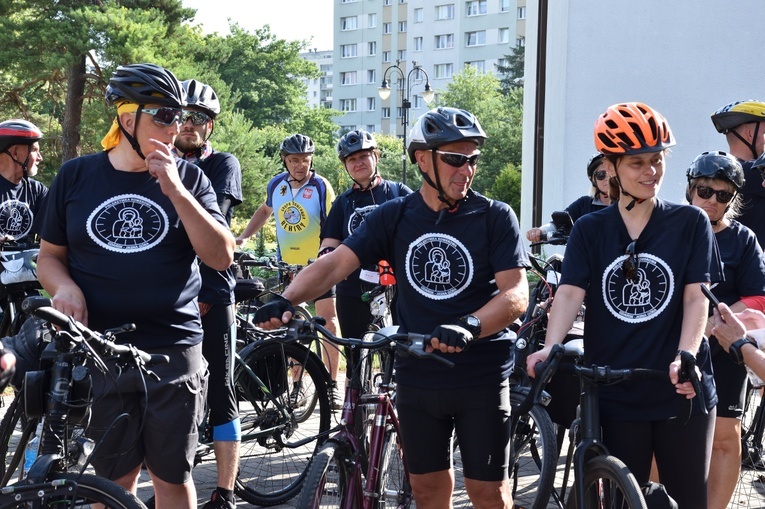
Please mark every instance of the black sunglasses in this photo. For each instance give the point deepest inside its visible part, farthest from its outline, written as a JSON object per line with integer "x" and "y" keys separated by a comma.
{"x": 196, "y": 117}
{"x": 706, "y": 193}
{"x": 458, "y": 160}
{"x": 630, "y": 264}
{"x": 165, "y": 116}
{"x": 600, "y": 174}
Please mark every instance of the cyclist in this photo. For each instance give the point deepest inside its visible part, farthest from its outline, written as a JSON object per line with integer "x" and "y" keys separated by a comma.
{"x": 216, "y": 298}
{"x": 121, "y": 235}
{"x": 300, "y": 199}
{"x": 715, "y": 180}
{"x": 743, "y": 124}
{"x": 358, "y": 152}
{"x": 461, "y": 277}
{"x": 598, "y": 198}
{"x": 639, "y": 266}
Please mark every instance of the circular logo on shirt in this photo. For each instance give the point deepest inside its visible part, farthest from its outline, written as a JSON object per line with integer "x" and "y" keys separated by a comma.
{"x": 643, "y": 297}
{"x": 293, "y": 217}
{"x": 357, "y": 217}
{"x": 16, "y": 218}
{"x": 128, "y": 223}
{"x": 438, "y": 266}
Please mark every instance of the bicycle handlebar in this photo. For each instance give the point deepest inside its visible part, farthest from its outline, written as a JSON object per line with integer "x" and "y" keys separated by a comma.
{"x": 409, "y": 343}
{"x": 249, "y": 260}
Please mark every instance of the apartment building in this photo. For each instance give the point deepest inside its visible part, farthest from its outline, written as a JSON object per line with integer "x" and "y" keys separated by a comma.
{"x": 319, "y": 90}
{"x": 441, "y": 36}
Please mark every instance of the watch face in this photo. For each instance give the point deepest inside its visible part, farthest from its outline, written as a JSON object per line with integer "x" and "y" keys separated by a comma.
{"x": 473, "y": 321}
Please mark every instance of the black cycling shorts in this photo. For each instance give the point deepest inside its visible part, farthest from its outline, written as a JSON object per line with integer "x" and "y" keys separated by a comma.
{"x": 730, "y": 379}
{"x": 218, "y": 348}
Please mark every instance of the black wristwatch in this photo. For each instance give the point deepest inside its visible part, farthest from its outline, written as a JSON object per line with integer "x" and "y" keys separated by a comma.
{"x": 472, "y": 324}
{"x": 735, "y": 349}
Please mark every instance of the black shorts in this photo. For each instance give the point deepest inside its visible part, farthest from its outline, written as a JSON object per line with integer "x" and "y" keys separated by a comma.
{"x": 730, "y": 379}
{"x": 218, "y": 347}
{"x": 480, "y": 416}
{"x": 164, "y": 416}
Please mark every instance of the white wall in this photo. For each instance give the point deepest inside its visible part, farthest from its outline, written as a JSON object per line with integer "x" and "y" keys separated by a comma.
{"x": 685, "y": 58}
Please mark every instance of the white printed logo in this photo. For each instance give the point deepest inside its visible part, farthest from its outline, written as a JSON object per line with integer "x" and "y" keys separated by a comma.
{"x": 438, "y": 266}
{"x": 357, "y": 217}
{"x": 15, "y": 218}
{"x": 128, "y": 223}
{"x": 642, "y": 298}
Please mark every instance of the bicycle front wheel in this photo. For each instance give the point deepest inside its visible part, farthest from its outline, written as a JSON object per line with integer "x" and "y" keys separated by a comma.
{"x": 274, "y": 381}
{"x": 75, "y": 491}
{"x": 395, "y": 490}
{"x": 750, "y": 488}
{"x": 608, "y": 484}
{"x": 15, "y": 432}
{"x": 326, "y": 484}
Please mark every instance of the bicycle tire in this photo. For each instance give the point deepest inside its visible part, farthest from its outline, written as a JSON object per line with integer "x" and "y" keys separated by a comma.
{"x": 91, "y": 490}
{"x": 608, "y": 484}
{"x": 15, "y": 432}
{"x": 534, "y": 457}
{"x": 327, "y": 481}
{"x": 750, "y": 487}
{"x": 272, "y": 466}
{"x": 395, "y": 489}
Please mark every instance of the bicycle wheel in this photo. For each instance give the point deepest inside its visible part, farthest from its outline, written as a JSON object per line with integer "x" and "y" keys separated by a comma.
{"x": 276, "y": 449}
{"x": 91, "y": 491}
{"x": 326, "y": 484}
{"x": 750, "y": 488}
{"x": 608, "y": 484}
{"x": 395, "y": 490}
{"x": 533, "y": 457}
{"x": 15, "y": 432}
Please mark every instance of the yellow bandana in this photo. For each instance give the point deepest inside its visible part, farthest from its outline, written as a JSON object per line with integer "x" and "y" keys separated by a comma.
{"x": 112, "y": 138}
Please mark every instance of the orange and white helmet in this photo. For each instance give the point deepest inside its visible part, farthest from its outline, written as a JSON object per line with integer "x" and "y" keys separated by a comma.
{"x": 632, "y": 128}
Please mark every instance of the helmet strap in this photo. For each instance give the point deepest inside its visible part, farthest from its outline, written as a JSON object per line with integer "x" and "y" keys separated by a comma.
{"x": 133, "y": 142}
{"x": 635, "y": 201}
{"x": 291, "y": 178}
{"x": 752, "y": 146}
{"x": 451, "y": 207}
{"x": 376, "y": 179}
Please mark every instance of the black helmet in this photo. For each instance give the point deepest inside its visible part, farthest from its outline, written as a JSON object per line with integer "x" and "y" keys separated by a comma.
{"x": 734, "y": 114}
{"x": 354, "y": 141}
{"x": 145, "y": 84}
{"x": 759, "y": 163}
{"x": 297, "y": 144}
{"x": 593, "y": 164}
{"x": 717, "y": 165}
{"x": 18, "y": 132}
{"x": 202, "y": 96}
{"x": 441, "y": 126}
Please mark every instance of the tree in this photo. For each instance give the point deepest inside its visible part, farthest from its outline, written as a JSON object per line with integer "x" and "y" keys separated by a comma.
{"x": 512, "y": 73}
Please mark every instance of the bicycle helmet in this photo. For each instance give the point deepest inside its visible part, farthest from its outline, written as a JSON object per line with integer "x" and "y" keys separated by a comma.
{"x": 734, "y": 114}
{"x": 297, "y": 144}
{"x": 354, "y": 141}
{"x": 145, "y": 84}
{"x": 632, "y": 128}
{"x": 717, "y": 165}
{"x": 18, "y": 132}
{"x": 593, "y": 164}
{"x": 443, "y": 125}
{"x": 202, "y": 96}
{"x": 759, "y": 163}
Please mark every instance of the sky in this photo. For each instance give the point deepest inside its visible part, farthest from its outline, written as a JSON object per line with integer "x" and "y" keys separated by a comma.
{"x": 289, "y": 19}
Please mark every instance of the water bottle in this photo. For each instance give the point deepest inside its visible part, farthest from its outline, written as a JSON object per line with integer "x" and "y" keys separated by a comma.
{"x": 30, "y": 453}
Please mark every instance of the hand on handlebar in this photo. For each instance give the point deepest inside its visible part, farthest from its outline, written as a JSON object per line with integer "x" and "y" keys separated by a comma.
{"x": 535, "y": 358}
{"x": 275, "y": 314}
{"x": 685, "y": 375}
{"x": 450, "y": 338}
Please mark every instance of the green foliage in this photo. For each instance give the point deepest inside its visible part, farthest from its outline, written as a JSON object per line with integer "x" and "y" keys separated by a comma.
{"x": 513, "y": 72}
{"x": 507, "y": 187}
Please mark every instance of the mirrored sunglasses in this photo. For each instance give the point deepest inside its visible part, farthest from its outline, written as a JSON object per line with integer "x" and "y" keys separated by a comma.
{"x": 165, "y": 116}
{"x": 458, "y": 160}
{"x": 600, "y": 174}
{"x": 196, "y": 117}
{"x": 706, "y": 193}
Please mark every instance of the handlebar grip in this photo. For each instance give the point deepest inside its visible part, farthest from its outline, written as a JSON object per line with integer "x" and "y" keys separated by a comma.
{"x": 34, "y": 302}
{"x": 43, "y": 310}
{"x": 155, "y": 359}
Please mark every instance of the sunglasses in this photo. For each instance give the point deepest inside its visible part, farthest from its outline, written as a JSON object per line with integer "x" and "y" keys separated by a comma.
{"x": 165, "y": 116}
{"x": 458, "y": 160}
{"x": 630, "y": 264}
{"x": 196, "y": 117}
{"x": 706, "y": 193}
{"x": 600, "y": 174}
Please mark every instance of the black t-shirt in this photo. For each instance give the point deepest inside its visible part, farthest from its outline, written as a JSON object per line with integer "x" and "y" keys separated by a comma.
{"x": 348, "y": 212}
{"x": 444, "y": 270}
{"x": 637, "y": 324}
{"x": 753, "y": 209}
{"x": 21, "y": 207}
{"x": 584, "y": 205}
{"x": 128, "y": 250}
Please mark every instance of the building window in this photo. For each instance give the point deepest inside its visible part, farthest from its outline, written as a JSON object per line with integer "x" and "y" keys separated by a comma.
{"x": 371, "y": 128}
{"x": 349, "y": 23}
{"x": 520, "y": 42}
{"x": 502, "y": 62}
{"x": 349, "y": 50}
{"x": 370, "y": 104}
{"x": 372, "y": 20}
{"x": 402, "y": 54}
{"x": 418, "y": 15}
{"x": 399, "y": 112}
{"x": 385, "y": 112}
{"x": 386, "y": 56}
{"x": 445, "y": 11}
{"x": 372, "y": 48}
{"x": 418, "y": 102}
{"x": 504, "y": 5}
{"x": 386, "y": 2}
{"x": 371, "y": 76}
{"x": 347, "y": 105}
{"x": 504, "y": 36}
{"x": 418, "y": 44}
{"x": 387, "y": 28}
{"x": 402, "y": 1}
{"x": 445, "y": 41}
{"x": 402, "y": 26}
{"x": 475, "y": 38}
{"x": 478, "y": 65}
{"x": 349, "y": 1}
{"x": 522, "y": 12}
{"x": 475, "y": 7}
{"x": 348, "y": 78}
{"x": 444, "y": 70}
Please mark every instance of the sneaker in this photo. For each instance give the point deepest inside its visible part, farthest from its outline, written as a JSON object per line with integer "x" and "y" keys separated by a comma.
{"x": 218, "y": 502}
{"x": 336, "y": 399}
{"x": 298, "y": 397}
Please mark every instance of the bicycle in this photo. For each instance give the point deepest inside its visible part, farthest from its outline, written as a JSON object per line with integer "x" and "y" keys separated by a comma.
{"x": 750, "y": 488}
{"x": 18, "y": 280}
{"x": 355, "y": 468}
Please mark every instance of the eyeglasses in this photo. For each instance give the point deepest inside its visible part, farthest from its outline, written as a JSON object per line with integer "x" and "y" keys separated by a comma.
{"x": 600, "y": 174}
{"x": 196, "y": 117}
{"x": 630, "y": 264}
{"x": 707, "y": 192}
{"x": 458, "y": 160}
{"x": 165, "y": 116}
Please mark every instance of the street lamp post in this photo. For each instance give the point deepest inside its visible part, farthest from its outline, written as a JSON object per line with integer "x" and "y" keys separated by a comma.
{"x": 406, "y": 82}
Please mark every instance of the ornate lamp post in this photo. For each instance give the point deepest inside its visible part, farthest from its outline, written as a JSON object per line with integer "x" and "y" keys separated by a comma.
{"x": 406, "y": 82}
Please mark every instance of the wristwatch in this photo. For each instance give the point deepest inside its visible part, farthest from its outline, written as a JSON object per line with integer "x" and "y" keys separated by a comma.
{"x": 735, "y": 349}
{"x": 472, "y": 324}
